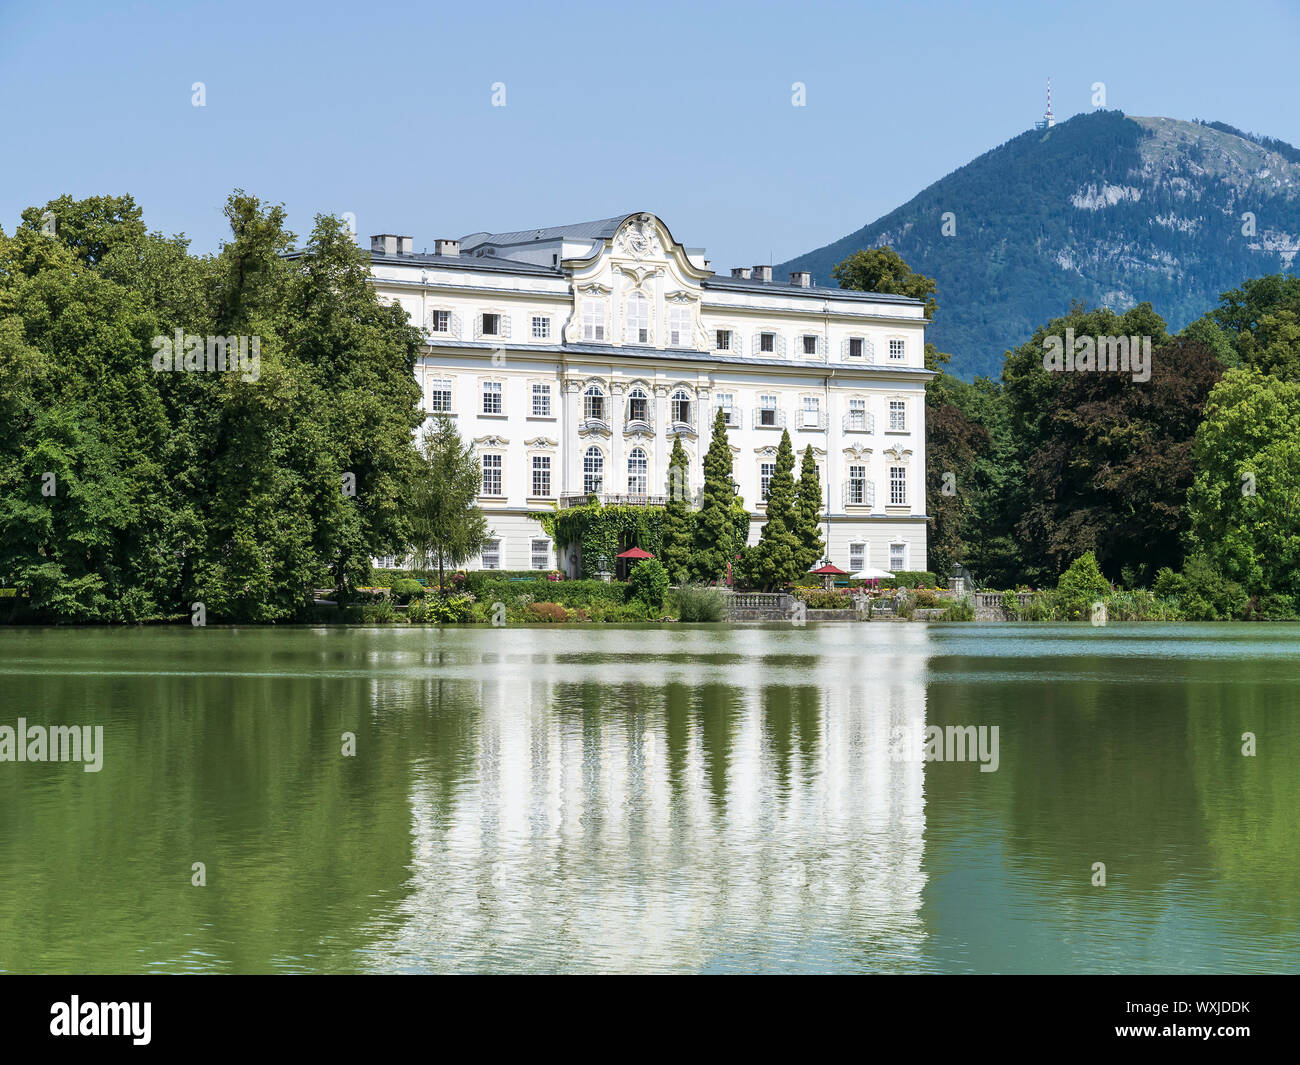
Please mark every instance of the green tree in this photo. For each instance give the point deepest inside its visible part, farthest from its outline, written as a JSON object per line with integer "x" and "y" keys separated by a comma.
{"x": 807, "y": 514}
{"x": 649, "y": 583}
{"x": 1244, "y": 503}
{"x": 169, "y": 488}
{"x": 447, "y": 526}
{"x": 1080, "y": 587}
{"x": 677, "y": 537}
{"x": 774, "y": 560}
{"x": 713, "y": 547}
{"x": 883, "y": 270}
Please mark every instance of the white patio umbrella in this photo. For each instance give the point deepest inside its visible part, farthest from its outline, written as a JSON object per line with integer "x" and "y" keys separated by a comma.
{"x": 870, "y": 574}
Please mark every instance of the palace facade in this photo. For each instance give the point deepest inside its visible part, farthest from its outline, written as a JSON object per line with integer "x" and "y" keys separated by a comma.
{"x": 571, "y": 357}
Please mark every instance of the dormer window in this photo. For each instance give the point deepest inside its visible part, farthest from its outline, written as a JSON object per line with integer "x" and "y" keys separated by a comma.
{"x": 593, "y": 320}
{"x": 638, "y": 319}
{"x": 679, "y": 326}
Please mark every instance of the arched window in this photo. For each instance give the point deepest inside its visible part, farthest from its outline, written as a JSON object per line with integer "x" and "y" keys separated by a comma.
{"x": 638, "y": 405}
{"x": 638, "y": 319}
{"x": 593, "y": 471}
{"x": 593, "y": 403}
{"x": 637, "y": 469}
{"x": 681, "y": 407}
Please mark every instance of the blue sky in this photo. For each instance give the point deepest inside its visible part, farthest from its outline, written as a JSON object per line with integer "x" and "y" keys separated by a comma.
{"x": 384, "y": 109}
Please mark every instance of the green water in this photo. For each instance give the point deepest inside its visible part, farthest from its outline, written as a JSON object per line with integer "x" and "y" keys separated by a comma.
{"x": 681, "y": 798}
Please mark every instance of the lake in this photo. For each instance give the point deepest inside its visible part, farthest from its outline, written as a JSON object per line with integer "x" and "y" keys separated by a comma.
{"x": 676, "y": 798}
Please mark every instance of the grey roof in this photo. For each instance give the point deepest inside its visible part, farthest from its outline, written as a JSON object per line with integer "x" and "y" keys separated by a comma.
{"x": 468, "y": 262}
{"x": 782, "y": 288}
{"x": 600, "y": 229}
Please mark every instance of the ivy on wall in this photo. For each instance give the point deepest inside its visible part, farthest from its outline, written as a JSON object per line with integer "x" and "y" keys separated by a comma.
{"x": 602, "y": 533}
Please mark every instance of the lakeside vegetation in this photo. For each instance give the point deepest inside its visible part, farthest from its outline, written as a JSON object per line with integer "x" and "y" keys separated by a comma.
{"x": 129, "y": 495}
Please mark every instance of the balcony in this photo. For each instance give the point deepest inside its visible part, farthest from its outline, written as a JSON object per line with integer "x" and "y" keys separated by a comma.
{"x": 609, "y": 499}
{"x": 859, "y": 422}
{"x": 769, "y": 418}
{"x": 812, "y": 420}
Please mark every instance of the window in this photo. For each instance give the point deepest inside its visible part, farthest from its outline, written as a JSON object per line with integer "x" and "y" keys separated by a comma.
{"x": 541, "y": 407}
{"x": 897, "y": 416}
{"x": 541, "y": 328}
{"x": 857, "y": 557}
{"x": 857, "y": 414}
{"x": 767, "y": 342}
{"x": 593, "y": 470}
{"x": 897, "y": 557}
{"x": 812, "y": 412}
{"x": 491, "y": 325}
{"x": 637, "y": 470}
{"x": 766, "y": 471}
{"x": 541, "y": 554}
{"x": 593, "y": 404}
{"x": 855, "y": 347}
{"x": 541, "y": 476}
{"x": 638, "y": 319}
{"x": 681, "y": 407}
{"x": 493, "y": 397}
{"x": 810, "y": 345}
{"x": 492, "y": 554}
{"x": 593, "y": 319}
{"x": 638, "y": 405}
{"x": 857, "y": 486}
{"x": 727, "y": 404}
{"x": 439, "y": 395}
{"x": 897, "y": 348}
{"x": 897, "y": 486}
{"x": 492, "y": 475}
{"x": 722, "y": 340}
{"x": 440, "y": 322}
{"x": 679, "y": 326}
{"x": 767, "y": 410}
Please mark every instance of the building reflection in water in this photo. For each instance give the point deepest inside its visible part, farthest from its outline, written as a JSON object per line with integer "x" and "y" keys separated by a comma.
{"x": 633, "y": 812}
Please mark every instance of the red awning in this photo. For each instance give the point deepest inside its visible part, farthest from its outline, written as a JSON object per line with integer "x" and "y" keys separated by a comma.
{"x": 635, "y": 552}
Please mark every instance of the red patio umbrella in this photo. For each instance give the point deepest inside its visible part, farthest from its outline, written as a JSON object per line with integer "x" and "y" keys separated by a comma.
{"x": 829, "y": 571}
{"x": 635, "y": 552}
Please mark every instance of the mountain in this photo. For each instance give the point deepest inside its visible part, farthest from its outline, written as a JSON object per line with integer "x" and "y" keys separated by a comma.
{"x": 1105, "y": 208}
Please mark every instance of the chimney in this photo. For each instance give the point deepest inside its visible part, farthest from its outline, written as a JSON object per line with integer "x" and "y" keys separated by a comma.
{"x": 740, "y": 271}
{"x": 403, "y": 245}
{"x": 762, "y": 273}
{"x": 446, "y": 247}
{"x": 801, "y": 278}
{"x": 384, "y": 244}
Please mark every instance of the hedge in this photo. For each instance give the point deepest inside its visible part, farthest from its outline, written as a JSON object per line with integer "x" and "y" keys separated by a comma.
{"x": 566, "y": 593}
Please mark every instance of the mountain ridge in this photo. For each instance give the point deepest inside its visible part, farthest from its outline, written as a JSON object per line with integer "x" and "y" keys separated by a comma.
{"x": 1106, "y": 208}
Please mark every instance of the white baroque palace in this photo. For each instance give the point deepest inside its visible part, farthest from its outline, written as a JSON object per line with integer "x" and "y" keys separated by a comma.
{"x": 571, "y": 357}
